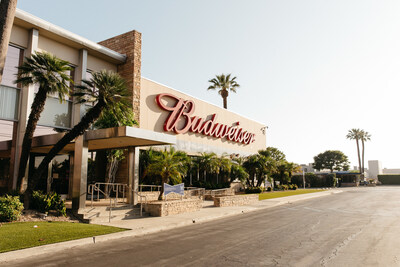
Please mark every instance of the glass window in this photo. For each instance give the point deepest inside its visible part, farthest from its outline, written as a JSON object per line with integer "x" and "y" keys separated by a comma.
{"x": 57, "y": 114}
{"x": 9, "y": 95}
{"x": 13, "y": 60}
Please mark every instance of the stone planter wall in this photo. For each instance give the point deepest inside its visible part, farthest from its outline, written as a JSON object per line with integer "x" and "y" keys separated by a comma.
{"x": 210, "y": 194}
{"x": 238, "y": 200}
{"x": 170, "y": 207}
{"x": 153, "y": 196}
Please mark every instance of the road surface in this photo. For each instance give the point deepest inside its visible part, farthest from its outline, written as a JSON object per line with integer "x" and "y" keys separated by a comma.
{"x": 359, "y": 227}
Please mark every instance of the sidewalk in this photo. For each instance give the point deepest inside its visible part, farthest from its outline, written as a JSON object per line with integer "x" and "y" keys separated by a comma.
{"x": 149, "y": 225}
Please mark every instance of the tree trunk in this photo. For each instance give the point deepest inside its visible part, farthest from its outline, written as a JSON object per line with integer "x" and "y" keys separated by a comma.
{"x": 358, "y": 154}
{"x": 225, "y": 101}
{"x": 36, "y": 109}
{"x": 160, "y": 197}
{"x": 362, "y": 161}
{"x": 78, "y": 130}
{"x": 7, "y": 12}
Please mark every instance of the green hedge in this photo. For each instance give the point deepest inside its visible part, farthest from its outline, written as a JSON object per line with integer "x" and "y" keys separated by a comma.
{"x": 393, "y": 179}
{"x": 314, "y": 180}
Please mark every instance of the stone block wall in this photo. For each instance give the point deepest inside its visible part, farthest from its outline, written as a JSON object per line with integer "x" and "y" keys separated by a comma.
{"x": 238, "y": 200}
{"x": 210, "y": 194}
{"x": 153, "y": 196}
{"x": 129, "y": 44}
{"x": 170, "y": 207}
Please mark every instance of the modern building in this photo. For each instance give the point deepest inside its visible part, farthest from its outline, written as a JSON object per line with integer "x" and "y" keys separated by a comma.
{"x": 166, "y": 116}
{"x": 374, "y": 169}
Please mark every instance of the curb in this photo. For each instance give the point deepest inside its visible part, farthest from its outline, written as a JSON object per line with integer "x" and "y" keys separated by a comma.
{"x": 57, "y": 247}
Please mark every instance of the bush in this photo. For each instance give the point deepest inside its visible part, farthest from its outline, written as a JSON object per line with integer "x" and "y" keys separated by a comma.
{"x": 293, "y": 187}
{"x": 46, "y": 202}
{"x": 253, "y": 190}
{"x": 269, "y": 189}
{"x": 10, "y": 208}
{"x": 389, "y": 179}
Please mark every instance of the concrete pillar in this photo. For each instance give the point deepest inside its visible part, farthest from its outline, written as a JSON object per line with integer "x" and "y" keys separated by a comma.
{"x": 80, "y": 158}
{"x": 133, "y": 174}
{"x": 79, "y": 175}
{"x": 25, "y": 102}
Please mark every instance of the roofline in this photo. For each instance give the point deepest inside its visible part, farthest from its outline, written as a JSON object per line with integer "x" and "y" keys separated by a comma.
{"x": 244, "y": 117}
{"x": 42, "y": 24}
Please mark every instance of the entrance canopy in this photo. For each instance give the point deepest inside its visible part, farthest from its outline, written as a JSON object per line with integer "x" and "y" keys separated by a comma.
{"x": 110, "y": 138}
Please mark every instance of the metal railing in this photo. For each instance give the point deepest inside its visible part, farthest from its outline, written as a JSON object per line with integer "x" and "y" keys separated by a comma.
{"x": 106, "y": 189}
{"x": 156, "y": 188}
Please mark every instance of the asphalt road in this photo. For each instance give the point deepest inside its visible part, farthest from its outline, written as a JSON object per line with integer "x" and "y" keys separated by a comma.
{"x": 359, "y": 227}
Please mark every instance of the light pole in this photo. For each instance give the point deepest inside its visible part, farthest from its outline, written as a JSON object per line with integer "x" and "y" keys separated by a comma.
{"x": 304, "y": 180}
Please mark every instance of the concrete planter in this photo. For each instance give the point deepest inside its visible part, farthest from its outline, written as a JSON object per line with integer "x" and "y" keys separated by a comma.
{"x": 170, "y": 207}
{"x": 238, "y": 200}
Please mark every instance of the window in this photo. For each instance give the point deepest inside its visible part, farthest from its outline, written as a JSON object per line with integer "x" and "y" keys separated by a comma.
{"x": 56, "y": 114}
{"x": 9, "y": 94}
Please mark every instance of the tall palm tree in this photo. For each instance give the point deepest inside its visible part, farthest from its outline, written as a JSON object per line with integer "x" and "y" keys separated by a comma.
{"x": 108, "y": 91}
{"x": 224, "y": 84}
{"x": 170, "y": 165}
{"x": 224, "y": 164}
{"x": 208, "y": 163}
{"x": 50, "y": 73}
{"x": 355, "y": 134}
{"x": 364, "y": 137}
{"x": 7, "y": 11}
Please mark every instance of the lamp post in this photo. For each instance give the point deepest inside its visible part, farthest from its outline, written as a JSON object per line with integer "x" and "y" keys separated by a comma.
{"x": 304, "y": 180}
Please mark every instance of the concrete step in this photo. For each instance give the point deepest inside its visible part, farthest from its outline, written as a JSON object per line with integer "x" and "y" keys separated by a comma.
{"x": 104, "y": 218}
{"x": 102, "y": 213}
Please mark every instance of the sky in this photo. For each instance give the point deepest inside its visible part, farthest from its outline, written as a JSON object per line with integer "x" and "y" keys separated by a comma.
{"x": 310, "y": 70}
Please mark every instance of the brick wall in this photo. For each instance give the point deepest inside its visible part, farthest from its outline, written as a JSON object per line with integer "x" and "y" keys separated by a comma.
{"x": 129, "y": 44}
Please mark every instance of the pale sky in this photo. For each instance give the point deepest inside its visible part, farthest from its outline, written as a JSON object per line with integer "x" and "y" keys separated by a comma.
{"x": 310, "y": 70}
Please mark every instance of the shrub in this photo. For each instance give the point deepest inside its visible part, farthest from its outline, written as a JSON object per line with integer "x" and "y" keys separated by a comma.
{"x": 269, "y": 189}
{"x": 46, "y": 202}
{"x": 253, "y": 190}
{"x": 10, "y": 208}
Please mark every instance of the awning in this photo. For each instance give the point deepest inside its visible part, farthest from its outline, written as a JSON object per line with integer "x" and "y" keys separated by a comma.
{"x": 110, "y": 138}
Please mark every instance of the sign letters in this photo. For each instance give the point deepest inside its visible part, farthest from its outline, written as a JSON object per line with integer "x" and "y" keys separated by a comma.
{"x": 180, "y": 121}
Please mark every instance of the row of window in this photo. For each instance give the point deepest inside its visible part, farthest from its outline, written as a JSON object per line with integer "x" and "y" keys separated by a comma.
{"x": 55, "y": 114}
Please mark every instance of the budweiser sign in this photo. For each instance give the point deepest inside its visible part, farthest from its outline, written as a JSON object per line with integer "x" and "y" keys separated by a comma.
{"x": 180, "y": 121}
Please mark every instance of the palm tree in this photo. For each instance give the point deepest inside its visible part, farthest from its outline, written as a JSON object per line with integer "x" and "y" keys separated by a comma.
{"x": 108, "y": 91}
{"x": 224, "y": 84}
{"x": 208, "y": 163}
{"x": 364, "y": 137}
{"x": 170, "y": 165}
{"x": 50, "y": 73}
{"x": 7, "y": 11}
{"x": 114, "y": 156}
{"x": 224, "y": 164}
{"x": 355, "y": 134}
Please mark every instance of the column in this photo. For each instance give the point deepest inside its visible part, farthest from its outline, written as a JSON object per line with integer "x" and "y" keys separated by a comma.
{"x": 133, "y": 174}
{"x": 80, "y": 157}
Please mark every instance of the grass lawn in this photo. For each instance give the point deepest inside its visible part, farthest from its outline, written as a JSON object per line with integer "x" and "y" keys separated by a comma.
{"x": 21, "y": 235}
{"x": 269, "y": 195}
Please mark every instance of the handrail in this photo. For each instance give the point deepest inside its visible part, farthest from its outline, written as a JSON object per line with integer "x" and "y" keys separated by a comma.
{"x": 141, "y": 186}
{"x": 117, "y": 188}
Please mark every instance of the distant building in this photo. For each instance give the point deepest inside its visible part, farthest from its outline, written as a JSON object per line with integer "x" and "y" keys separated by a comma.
{"x": 307, "y": 168}
{"x": 374, "y": 168}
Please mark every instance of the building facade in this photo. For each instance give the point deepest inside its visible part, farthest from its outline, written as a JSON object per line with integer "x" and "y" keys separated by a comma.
{"x": 165, "y": 116}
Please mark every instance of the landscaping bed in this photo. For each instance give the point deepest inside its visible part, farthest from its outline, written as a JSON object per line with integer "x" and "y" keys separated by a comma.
{"x": 269, "y": 195}
{"x": 19, "y": 235}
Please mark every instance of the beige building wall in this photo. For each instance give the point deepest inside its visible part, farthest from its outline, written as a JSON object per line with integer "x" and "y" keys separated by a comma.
{"x": 97, "y": 64}
{"x": 19, "y": 36}
{"x": 58, "y": 49}
{"x": 152, "y": 117}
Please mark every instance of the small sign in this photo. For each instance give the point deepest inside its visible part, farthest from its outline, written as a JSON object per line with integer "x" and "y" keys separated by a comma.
{"x": 179, "y": 189}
